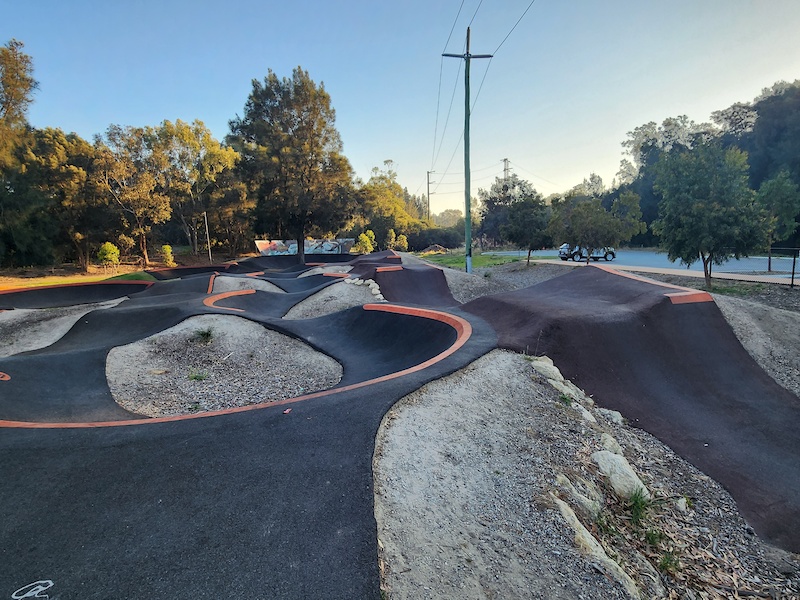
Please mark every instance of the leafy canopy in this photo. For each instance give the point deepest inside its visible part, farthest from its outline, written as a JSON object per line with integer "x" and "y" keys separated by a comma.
{"x": 707, "y": 208}
{"x": 287, "y": 136}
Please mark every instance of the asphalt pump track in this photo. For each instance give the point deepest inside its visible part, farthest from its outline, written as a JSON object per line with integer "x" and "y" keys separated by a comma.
{"x": 264, "y": 501}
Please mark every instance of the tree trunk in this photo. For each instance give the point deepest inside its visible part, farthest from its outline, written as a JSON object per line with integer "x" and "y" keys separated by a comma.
{"x": 529, "y": 257}
{"x": 707, "y": 269}
{"x": 190, "y": 231}
{"x": 83, "y": 255}
{"x": 143, "y": 249}
{"x": 301, "y": 244}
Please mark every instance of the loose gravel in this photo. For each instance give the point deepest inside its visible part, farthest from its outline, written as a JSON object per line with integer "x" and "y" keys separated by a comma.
{"x": 214, "y": 362}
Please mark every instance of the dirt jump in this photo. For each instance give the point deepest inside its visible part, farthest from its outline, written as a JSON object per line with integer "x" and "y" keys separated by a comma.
{"x": 276, "y": 499}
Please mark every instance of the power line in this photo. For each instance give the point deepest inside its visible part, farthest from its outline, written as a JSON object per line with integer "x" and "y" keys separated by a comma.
{"x": 489, "y": 64}
{"x": 453, "y": 28}
{"x": 476, "y": 13}
{"x": 447, "y": 120}
{"x": 439, "y": 93}
{"x": 515, "y": 165}
{"x": 515, "y": 26}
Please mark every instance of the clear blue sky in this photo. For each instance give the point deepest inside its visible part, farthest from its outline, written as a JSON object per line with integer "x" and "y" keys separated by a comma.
{"x": 557, "y": 100}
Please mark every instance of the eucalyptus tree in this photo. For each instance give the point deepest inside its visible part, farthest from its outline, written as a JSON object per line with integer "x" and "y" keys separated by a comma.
{"x": 131, "y": 171}
{"x": 527, "y": 224}
{"x": 584, "y": 222}
{"x": 496, "y": 201}
{"x": 16, "y": 93}
{"x": 194, "y": 162}
{"x": 292, "y": 156}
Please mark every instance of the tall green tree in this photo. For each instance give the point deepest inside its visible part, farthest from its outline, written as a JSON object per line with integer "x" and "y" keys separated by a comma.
{"x": 28, "y": 229}
{"x": 527, "y": 224}
{"x": 64, "y": 169}
{"x": 288, "y": 133}
{"x": 586, "y": 223}
{"x": 19, "y": 241}
{"x": 707, "y": 211}
{"x": 231, "y": 213}
{"x": 382, "y": 205}
{"x": 17, "y": 86}
{"x": 495, "y": 203}
{"x": 779, "y": 198}
{"x": 194, "y": 161}
{"x": 131, "y": 172}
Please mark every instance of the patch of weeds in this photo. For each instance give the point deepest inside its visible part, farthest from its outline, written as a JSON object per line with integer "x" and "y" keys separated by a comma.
{"x": 689, "y": 502}
{"x": 565, "y": 399}
{"x": 194, "y": 406}
{"x": 604, "y": 524}
{"x": 487, "y": 275}
{"x": 653, "y": 537}
{"x": 639, "y": 505}
{"x": 203, "y": 336}
{"x": 741, "y": 289}
{"x": 669, "y": 563}
{"x": 197, "y": 375}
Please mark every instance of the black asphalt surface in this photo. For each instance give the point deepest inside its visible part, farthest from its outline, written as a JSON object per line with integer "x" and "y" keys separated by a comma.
{"x": 255, "y": 504}
{"x": 675, "y": 370}
{"x": 278, "y": 503}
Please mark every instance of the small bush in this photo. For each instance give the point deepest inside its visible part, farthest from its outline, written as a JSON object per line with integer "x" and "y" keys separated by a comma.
{"x": 364, "y": 245}
{"x": 639, "y": 505}
{"x": 401, "y": 243}
{"x": 197, "y": 375}
{"x": 108, "y": 255}
{"x": 166, "y": 252}
{"x": 203, "y": 336}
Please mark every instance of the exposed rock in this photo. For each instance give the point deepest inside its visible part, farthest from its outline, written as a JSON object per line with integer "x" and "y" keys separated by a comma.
{"x": 547, "y": 369}
{"x": 624, "y": 481}
{"x": 588, "y": 506}
{"x": 591, "y": 547}
{"x": 612, "y": 415}
{"x": 610, "y": 444}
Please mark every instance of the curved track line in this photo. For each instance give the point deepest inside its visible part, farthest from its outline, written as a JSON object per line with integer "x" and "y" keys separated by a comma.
{"x": 212, "y": 300}
{"x": 460, "y": 325}
{"x": 683, "y": 296}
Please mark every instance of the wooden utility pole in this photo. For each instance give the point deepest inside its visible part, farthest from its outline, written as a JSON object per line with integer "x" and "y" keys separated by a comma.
{"x": 467, "y": 211}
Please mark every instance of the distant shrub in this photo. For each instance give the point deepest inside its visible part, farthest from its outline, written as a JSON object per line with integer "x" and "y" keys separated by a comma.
{"x": 108, "y": 255}
{"x": 401, "y": 243}
{"x": 364, "y": 245}
{"x": 166, "y": 252}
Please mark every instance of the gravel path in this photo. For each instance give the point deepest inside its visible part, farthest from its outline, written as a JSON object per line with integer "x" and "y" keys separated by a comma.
{"x": 466, "y": 469}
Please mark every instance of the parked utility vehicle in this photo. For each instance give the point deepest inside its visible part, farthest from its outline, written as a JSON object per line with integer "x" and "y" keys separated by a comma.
{"x": 576, "y": 253}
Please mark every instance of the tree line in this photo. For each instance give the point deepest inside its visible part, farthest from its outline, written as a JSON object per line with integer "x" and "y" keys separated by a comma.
{"x": 280, "y": 173}
{"x": 703, "y": 192}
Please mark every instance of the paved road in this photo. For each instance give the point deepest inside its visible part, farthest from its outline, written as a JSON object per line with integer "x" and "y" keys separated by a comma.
{"x": 757, "y": 266}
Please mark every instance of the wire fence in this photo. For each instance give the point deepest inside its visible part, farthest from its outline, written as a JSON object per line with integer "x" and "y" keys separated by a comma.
{"x": 780, "y": 262}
